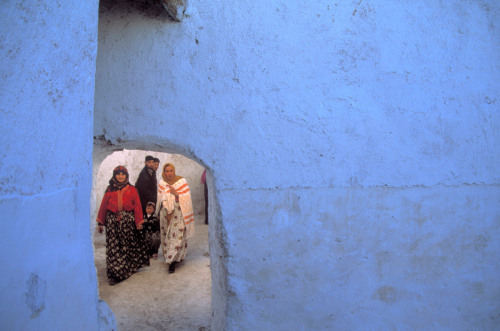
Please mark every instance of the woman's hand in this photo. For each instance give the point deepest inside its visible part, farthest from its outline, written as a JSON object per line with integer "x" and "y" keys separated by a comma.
{"x": 100, "y": 228}
{"x": 139, "y": 227}
{"x": 173, "y": 191}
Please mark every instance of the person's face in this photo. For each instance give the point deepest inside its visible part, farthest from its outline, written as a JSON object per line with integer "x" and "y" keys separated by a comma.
{"x": 169, "y": 172}
{"x": 156, "y": 165}
{"x": 149, "y": 164}
{"x": 149, "y": 209}
{"x": 120, "y": 177}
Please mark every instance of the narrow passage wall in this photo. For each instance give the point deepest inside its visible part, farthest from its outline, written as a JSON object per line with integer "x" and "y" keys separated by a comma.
{"x": 47, "y": 52}
{"x": 354, "y": 147}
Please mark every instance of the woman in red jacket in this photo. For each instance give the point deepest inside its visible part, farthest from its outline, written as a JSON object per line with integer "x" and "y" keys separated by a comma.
{"x": 121, "y": 213}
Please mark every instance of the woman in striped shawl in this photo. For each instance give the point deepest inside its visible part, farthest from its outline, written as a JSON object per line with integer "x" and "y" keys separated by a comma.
{"x": 176, "y": 216}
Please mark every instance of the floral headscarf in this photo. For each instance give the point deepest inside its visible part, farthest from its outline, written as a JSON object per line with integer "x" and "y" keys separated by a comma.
{"x": 115, "y": 185}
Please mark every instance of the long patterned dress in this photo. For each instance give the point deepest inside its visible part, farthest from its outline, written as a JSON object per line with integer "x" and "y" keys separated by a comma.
{"x": 120, "y": 212}
{"x": 173, "y": 235}
{"x": 176, "y": 219}
{"x": 125, "y": 247}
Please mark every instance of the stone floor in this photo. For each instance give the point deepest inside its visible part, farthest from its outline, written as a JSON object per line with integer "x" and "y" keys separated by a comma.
{"x": 153, "y": 299}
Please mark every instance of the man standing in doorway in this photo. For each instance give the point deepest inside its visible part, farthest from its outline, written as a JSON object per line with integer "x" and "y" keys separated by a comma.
{"x": 146, "y": 183}
{"x": 156, "y": 163}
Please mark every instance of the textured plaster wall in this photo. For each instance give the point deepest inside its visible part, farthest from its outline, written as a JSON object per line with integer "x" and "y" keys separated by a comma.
{"x": 47, "y": 55}
{"x": 352, "y": 148}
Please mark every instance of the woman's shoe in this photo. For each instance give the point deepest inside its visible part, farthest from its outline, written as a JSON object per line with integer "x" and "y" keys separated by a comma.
{"x": 171, "y": 267}
{"x": 113, "y": 281}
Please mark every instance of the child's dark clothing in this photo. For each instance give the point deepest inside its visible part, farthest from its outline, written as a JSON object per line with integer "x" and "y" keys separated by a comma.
{"x": 151, "y": 228}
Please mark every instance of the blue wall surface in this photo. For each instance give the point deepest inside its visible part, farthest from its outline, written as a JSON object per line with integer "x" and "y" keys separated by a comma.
{"x": 48, "y": 51}
{"x": 352, "y": 149}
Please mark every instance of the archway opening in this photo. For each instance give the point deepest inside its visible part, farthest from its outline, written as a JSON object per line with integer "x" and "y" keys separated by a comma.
{"x": 132, "y": 50}
{"x": 152, "y": 297}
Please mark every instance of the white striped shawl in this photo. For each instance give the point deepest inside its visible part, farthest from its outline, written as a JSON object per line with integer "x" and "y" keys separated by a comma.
{"x": 168, "y": 201}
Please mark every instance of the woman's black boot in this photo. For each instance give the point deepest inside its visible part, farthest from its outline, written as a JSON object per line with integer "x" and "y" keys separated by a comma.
{"x": 171, "y": 267}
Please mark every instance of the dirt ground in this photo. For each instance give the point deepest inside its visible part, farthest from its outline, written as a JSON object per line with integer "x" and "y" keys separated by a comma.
{"x": 153, "y": 299}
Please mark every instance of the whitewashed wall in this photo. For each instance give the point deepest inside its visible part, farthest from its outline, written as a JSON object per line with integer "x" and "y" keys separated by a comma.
{"x": 47, "y": 66}
{"x": 353, "y": 146}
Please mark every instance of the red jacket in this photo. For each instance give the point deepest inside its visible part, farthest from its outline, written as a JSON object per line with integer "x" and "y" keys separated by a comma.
{"x": 125, "y": 199}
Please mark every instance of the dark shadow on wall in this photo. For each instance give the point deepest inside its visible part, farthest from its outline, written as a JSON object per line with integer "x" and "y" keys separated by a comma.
{"x": 149, "y": 8}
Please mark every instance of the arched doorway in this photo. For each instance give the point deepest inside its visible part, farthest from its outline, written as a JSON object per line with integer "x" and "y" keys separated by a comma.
{"x": 123, "y": 27}
{"x": 152, "y": 298}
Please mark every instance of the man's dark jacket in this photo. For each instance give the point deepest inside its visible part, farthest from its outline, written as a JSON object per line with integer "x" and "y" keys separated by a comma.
{"x": 147, "y": 187}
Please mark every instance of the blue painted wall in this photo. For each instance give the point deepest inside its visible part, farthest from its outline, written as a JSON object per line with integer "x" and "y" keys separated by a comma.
{"x": 48, "y": 52}
{"x": 353, "y": 146}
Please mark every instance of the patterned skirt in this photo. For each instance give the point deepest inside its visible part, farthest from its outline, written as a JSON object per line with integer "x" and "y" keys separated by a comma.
{"x": 173, "y": 235}
{"x": 125, "y": 247}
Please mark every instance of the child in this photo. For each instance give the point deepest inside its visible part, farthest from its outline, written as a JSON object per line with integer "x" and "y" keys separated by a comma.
{"x": 151, "y": 230}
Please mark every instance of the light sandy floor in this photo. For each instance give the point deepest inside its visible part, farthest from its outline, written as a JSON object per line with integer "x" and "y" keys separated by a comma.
{"x": 153, "y": 299}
